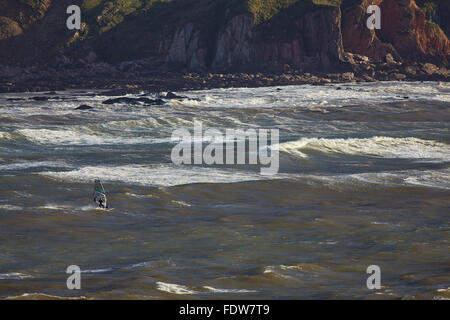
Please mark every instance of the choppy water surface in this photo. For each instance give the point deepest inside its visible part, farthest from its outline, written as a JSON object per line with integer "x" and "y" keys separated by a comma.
{"x": 364, "y": 179}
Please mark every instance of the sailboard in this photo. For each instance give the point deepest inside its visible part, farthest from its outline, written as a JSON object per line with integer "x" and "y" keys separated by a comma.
{"x": 99, "y": 195}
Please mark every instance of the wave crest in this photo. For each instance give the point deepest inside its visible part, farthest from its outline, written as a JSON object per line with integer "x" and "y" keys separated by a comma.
{"x": 384, "y": 147}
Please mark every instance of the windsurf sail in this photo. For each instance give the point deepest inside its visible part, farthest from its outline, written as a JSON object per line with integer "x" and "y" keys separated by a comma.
{"x": 99, "y": 194}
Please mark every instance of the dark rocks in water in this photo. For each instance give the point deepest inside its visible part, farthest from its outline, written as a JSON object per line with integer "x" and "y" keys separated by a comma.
{"x": 339, "y": 88}
{"x": 147, "y": 101}
{"x": 45, "y": 98}
{"x": 171, "y": 95}
{"x": 15, "y": 99}
{"x": 120, "y": 100}
{"x": 40, "y": 98}
{"x": 84, "y": 107}
{"x": 135, "y": 101}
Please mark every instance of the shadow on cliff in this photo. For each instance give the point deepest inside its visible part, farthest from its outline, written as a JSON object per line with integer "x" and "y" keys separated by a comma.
{"x": 150, "y": 34}
{"x": 41, "y": 37}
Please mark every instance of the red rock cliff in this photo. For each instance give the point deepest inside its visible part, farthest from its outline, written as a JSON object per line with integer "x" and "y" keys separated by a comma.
{"x": 405, "y": 32}
{"x": 406, "y": 28}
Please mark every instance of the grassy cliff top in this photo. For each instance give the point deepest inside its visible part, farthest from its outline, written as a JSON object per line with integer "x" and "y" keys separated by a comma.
{"x": 138, "y": 18}
{"x": 128, "y": 29}
{"x": 264, "y": 10}
{"x": 105, "y": 15}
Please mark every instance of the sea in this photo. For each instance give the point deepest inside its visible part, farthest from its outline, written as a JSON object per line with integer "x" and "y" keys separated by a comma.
{"x": 363, "y": 180}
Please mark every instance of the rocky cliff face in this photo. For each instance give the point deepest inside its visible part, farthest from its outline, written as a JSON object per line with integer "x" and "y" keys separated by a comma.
{"x": 17, "y": 16}
{"x": 357, "y": 38}
{"x": 222, "y": 35}
{"x": 234, "y": 47}
{"x": 32, "y": 30}
{"x": 413, "y": 36}
{"x": 9, "y": 28}
{"x": 311, "y": 40}
{"x": 24, "y": 13}
{"x": 405, "y": 33}
{"x": 437, "y": 11}
{"x": 187, "y": 50}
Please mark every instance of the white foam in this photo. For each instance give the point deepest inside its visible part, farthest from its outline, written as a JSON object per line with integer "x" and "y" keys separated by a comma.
{"x": 270, "y": 270}
{"x": 14, "y": 276}
{"x": 54, "y": 207}
{"x": 84, "y": 137}
{"x": 216, "y": 290}
{"x": 88, "y": 208}
{"x": 6, "y": 135}
{"x": 386, "y": 147}
{"x": 10, "y": 207}
{"x": 429, "y": 178}
{"x": 174, "y": 288}
{"x": 156, "y": 175}
{"x": 425, "y": 178}
{"x": 45, "y": 296}
{"x": 33, "y": 164}
{"x": 140, "y": 265}
{"x": 313, "y": 97}
{"x": 130, "y": 125}
{"x": 180, "y": 203}
{"x": 97, "y": 270}
{"x": 440, "y": 298}
{"x": 157, "y": 263}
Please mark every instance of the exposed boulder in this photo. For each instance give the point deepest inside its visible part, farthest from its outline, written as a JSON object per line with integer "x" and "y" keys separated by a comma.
{"x": 390, "y": 59}
{"x": 348, "y": 76}
{"x": 430, "y": 68}
{"x": 9, "y": 28}
{"x": 170, "y": 95}
{"x": 40, "y": 98}
{"x": 134, "y": 101}
{"x": 84, "y": 107}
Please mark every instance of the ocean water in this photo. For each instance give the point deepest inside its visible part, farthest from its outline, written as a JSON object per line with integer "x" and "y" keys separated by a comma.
{"x": 364, "y": 180}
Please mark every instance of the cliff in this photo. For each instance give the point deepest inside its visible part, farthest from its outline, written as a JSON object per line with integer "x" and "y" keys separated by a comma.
{"x": 305, "y": 35}
{"x": 223, "y": 35}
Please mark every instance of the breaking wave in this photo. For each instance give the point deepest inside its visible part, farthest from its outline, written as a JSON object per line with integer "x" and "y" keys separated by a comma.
{"x": 82, "y": 138}
{"x": 174, "y": 288}
{"x": 385, "y": 147}
{"x": 14, "y": 276}
{"x": 159, "y": 175}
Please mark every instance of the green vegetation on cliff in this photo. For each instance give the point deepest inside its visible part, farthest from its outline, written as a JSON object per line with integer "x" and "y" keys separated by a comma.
{"x": 264, "y": 10}
{"x": 138, "y": 19}
{"x": 437, "y": 11}
{"x": 32, "y": 3}
{"x": 119, "y": 30}
{"x": 106, "y": 15}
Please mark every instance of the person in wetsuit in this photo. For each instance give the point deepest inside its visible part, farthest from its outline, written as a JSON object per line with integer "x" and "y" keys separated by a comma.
{"x": 100, "y": 203}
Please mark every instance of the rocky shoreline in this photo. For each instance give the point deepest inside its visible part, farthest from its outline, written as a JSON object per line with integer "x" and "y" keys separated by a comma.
{"x": 138, "y": 76}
